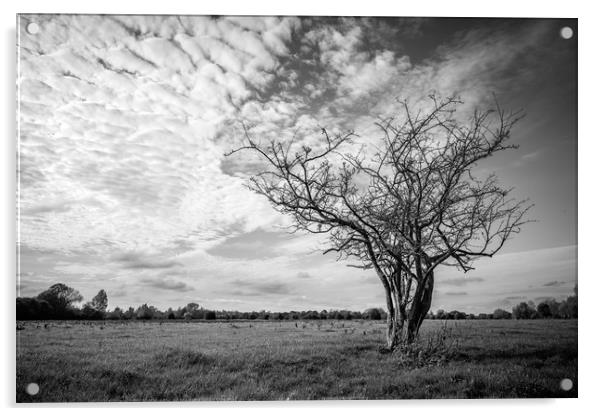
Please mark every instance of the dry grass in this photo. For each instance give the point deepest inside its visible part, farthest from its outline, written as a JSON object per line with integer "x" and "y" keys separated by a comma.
{"x": 143, "y": 361}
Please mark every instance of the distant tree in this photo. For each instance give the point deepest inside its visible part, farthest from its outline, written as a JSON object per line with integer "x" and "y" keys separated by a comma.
{"x": 179, "y": 313}
{"x": 33, "y": 308}
{"x": 187, "y": 316}
{"x": 157, "y": 313}
{"x": 89, "y": 312}
{"x": 209, "y": 315}
{"x": 100, "y": 301}
{"x": 129, "y": 314}
{"x": 61, "y": 298}
{"x": 563, "y": 310}
{"x": 572, "y": 305}
{"x": 117, "y": 313}
{"x": 373, "y": 314}
{"x": 543, "y": 310}
{"x": 192, "y": 307}
{"x": 501, "y": 314}
{"x": 144, "y": 312}
{"x": 96, "y": 308}
{"x": 551, "y": 308}
{"x": 456, "y": 315}
{"x": 524, "y": 311}
{"x": 408, "y": 208}
{"x": 195, "y": 310}
{"x": 310, "y": 315}
{"x": 440, "y": 314}
{"x": 554, "y": 307}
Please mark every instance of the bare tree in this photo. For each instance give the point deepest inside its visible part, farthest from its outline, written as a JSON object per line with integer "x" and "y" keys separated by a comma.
{"x": 411, "y": 206}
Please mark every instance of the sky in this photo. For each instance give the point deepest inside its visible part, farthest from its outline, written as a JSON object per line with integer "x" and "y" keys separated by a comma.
{"x": 123, "y": 123}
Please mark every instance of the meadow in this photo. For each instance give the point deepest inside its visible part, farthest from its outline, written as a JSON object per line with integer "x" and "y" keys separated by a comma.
{"x": 74, "y": 361}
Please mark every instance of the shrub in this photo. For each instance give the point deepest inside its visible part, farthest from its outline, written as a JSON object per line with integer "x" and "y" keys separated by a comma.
{"x": 373, "y": 314}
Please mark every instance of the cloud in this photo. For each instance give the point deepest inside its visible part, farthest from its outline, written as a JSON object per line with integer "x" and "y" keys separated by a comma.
{"x": 138, "y": 111}
{"x": 355, "y": 73}
{"x": 533, "y": 155}
{"x": 136, "y": 104}
{"x": 257, "y": 244}
{"x": 303, "y": 275}
{"x": 368, "y": 77}
{"x": 61, "y": 206}
{"x": 138, "y": 260}
{"x": 120, "y": 292}
{"x": 167, "y": 284}
{"x": 543, "y": 299}
{"x": 460, "y": 281}
{"x": 553, "y": 283}
{"x": 456, "y": 293}
{"x": 259, "y": 288}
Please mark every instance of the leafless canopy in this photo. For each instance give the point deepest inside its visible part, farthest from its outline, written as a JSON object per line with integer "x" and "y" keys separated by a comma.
{"x": 411, "y": 205}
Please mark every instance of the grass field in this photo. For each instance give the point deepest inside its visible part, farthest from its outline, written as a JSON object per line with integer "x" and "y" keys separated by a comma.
{"x": 271, "y": 360}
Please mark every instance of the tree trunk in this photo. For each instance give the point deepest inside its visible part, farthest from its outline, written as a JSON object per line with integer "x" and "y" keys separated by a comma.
{"x": 398, "y": 333}
{"x": 420, "y": 307}
{"x": 395, "y": 322}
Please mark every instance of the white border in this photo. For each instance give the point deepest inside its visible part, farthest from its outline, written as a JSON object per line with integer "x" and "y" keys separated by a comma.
{"x": 589, "y": 191}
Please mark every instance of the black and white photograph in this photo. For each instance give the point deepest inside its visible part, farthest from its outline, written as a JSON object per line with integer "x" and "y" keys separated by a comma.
{"x": 273, "y": 208}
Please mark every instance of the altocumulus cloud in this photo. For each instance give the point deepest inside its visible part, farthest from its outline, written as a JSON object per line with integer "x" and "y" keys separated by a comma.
{"x": 130, "y": 109}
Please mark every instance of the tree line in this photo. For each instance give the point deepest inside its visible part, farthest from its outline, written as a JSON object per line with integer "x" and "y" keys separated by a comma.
{"x": 60, "y": 301}
{"x": 547, "y": 309}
